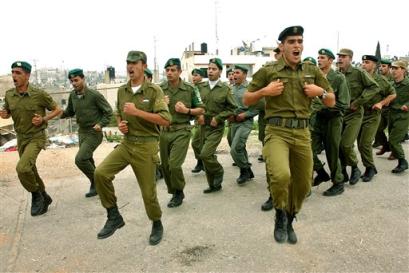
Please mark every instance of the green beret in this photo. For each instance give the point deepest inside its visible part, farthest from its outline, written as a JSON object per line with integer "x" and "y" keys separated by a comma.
{"x": 327, "y": 52}
{"x": 346, "y": 52}
{"x": 290, "y": 31}
{"x": 134, "y": 56}
{"x": 198, "y": 71}
{"x": 386, "y": 61}
{"x": 148, "y": 72}
{"x": 401, "y": 63}
{"x": 75, "y": 72}
{"x": 173, "y": 61}
{"x": 242, "y": 67}
{"x": 24, "y": 65}
{"x": 230, "y": 69}
{"x": 217, "y": 62}
{"x": 370, "y": 58}
{"x": 310, "y": 60}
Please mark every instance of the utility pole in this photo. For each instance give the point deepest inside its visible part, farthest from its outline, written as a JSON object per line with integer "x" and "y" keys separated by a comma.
{"x": 155, "y": 64}
{"x": 35, "y": 68}
{"x": 216, "y": 26}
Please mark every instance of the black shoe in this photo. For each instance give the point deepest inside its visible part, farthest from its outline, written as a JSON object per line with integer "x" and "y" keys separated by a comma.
{"x": 37, "y": 203}
{"x": 260, "y": 158}
{"x": 402, "y": 166}
{"x": 345, "y": 174}
{"x": 268, "y": 205}
{"x": 335, "y": 189}
{"x": 114, "y": 222}
{"x": 355, "y": 175}
{"x": 245, "y": 175}
{"x": 177, "y": 199}
{"x": 234, "y": 164}
{"x": 212, "y": 189}
{"x": 250, "y": 171}
{"x": 292, "y": 237}
{"x": 47, "y": 201}
{"x": 383, "y": 150}
{"x": 369, "y": 174}
{"x": 199, "y": 167}
{"x": 280, "y": 227}
{"x": 157, "y": 233}
{"x": 322, "y": 176}
{"x": 92, "y": 191}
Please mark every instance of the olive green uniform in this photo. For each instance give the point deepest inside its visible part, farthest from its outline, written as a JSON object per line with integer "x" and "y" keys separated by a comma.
{"x": 362, "y": 88}
{"x": 326, "y": 126}
{"x": 261, "y": 105}
{"x": 380, "y": 137}
{"x": 287, "y": 147}
{"x": 398, "y": 119}
{"x": 90, "y": 108}
{"x": 174, "y": 140}
{"x": 139, "y": 148}
{"x": 31, "y": 139}
{"x": 220, "y": 105}
{"x": 240, "y": 131}
{"x": 371, "y": 119}
{"x": 198, "y": 135}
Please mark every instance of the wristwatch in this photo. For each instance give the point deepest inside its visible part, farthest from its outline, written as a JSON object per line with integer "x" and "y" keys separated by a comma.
{"x": 324, "y": 94}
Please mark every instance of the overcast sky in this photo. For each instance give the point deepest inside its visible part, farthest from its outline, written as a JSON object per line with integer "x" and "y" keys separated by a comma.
{"x": 95, "y": 34}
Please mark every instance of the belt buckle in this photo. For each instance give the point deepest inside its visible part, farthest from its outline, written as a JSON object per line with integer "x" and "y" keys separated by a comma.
{"x": 294, "y": 123}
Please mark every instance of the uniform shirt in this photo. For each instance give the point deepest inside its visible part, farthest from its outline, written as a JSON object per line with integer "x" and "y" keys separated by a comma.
{"x": 23, "y": 108}
{"x": 148, "y": 98}
{"x": 292, "y": 103}
{"x": 361, "y": 86}
{"x": 238, "y": 93}
{"x": 90, "y": 108}
{"x": 186, "y": 93}
{"x": 219, "y": 101}
{"x": 385, "y": 89}
{"x": 340, "y": 87}
{"x": 402, "y": 94}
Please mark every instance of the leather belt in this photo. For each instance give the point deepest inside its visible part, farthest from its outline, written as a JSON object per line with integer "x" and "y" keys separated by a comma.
{"x": 293, "y": 123}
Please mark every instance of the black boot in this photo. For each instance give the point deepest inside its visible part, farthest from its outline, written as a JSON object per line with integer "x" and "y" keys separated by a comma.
{"x": 345, "y": 174}
{"x": 402, "y": 166}
{"x": 369, "y": 174}
{"x": 280, "y": 227}
{"x": 157, "y": 233}
{"x": 37, "y": 203}
{"x": 114, "y": 222}
{"x": 92, "y": 191}
{"x": 47, "y": 201}
{"x": 268, "y": 205}
{"x": 177, "y": 199}
{"x": 335, "y": 189}
{"x": 250, "y": 171}
{"x": 355, "y": 175}
{"x": 292, "y": 237}
{"x": 244, "y": 176}
{"x": 199, "y": 167}
{"x": 322, "y": 176}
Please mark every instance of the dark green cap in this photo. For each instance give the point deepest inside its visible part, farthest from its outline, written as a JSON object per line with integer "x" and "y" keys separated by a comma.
{"x": 370, "y": 58}
{"x": 148, "y": 72}
{"x": 346, "y": 52}
{"x": 24, "y": 65}
{"x": 230, "y": 69}
{"x": 134, "y": 56}
{"x": 217, "y": 62}
{"x": 310, "y": 60}
{"x": 386, "y": 61}
{"x": 198, "y": 71}
{"x": 173, "y": 61}
{"x": 327, "y": 52}
{"x": 242, "y": 67}
{"x": 290, "y": 31}
{"x": 75, "y": 72}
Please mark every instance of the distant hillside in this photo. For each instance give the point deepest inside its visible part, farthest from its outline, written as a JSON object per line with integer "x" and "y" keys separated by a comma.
{"x": 6, "y": 82}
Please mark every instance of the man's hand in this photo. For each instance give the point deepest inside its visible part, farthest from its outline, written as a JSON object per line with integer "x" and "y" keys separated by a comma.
{"x": 377, "y": 106}
{"x": 200, "y": 120}
{"x": 97, "y": 127}
{"x": 273, "y": 89}
{"x": 37, "y": 120}
{"x": 181, "y": 108}
{"x": 312, "y": 90}
{"x": 123, "y": 126}
{"x": 231, "y": 119}
{"x": 130, "y": 109}
{"x": 4, "y": 114}
{"x": 213, "y": 123}
{"x": 166, "y": 99}
{"x": 404, "y": 108}
{"x": 240, "y": 117}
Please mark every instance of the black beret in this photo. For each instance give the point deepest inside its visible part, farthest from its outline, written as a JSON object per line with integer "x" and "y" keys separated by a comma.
{"x": 290, "y": 31}
{"x": 370, "y": 58}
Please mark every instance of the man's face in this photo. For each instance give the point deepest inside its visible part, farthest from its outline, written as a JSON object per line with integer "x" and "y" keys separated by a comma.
{"x": 213, "y": 72}
{"x": 196, "y": 78}
{"x": 230, "y": 77}
{"x": 384, "y": 69}
{"x": 20, "y": 77}
{"x": 324, "y": 62}
{"x": 239, "y": 76}
{"x": 398, "y": 73}
{"x": 135, "y": 70}
{"x": 78, "y": 83}
{"x": 292, "y": 48}
{"x": 344, "y": 61}
{"x": 368, "y": 66}
{"x": 173, "y": 73}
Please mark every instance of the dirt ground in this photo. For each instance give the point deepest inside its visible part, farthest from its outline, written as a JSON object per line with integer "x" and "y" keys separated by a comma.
{"x": 364, "y": 230}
